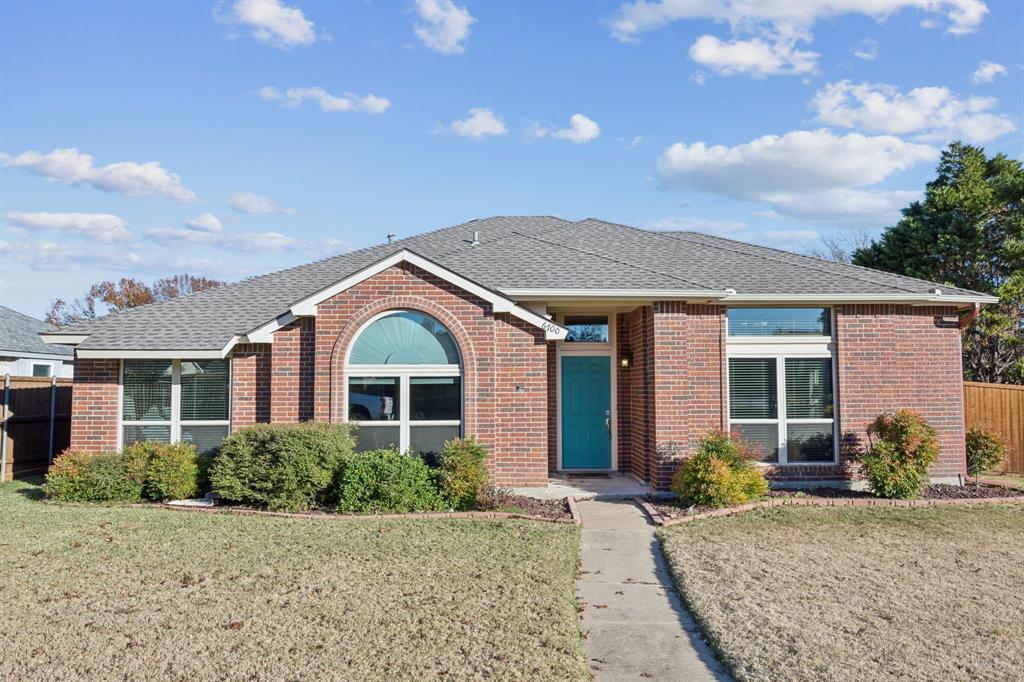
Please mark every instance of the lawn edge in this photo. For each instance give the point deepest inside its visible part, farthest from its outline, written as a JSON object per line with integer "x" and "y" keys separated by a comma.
{"x": 819, "y": 502}
{"x": 656, "y": 518}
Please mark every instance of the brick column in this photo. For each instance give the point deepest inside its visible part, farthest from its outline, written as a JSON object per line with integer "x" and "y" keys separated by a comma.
{"x": 94, "y": 405}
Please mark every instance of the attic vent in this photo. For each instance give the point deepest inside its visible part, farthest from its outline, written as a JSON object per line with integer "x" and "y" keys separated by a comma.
{"x": 391, "y": 238}
{"x": 730, "y": 291}
{"x": 937, "y": 291}
{"x": 476, "y": 238}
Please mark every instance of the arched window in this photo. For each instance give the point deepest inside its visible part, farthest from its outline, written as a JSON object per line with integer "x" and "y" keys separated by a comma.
{"x": 404, "y": 386}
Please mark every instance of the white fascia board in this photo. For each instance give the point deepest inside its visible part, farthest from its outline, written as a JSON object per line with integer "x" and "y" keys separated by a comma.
{"x": 910, "y": 298}
{"x": 265, "y": 333}
{"x": 727, "y": 297}
{"x": 499, "y": 304}
{"x": 166, "y": 354}
{"x": 618, "y": 294}
{"x": 63, "y": 339}
{"x": 21, "y": 355}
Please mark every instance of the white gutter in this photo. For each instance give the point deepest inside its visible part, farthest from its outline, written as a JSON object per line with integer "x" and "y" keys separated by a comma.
{"x": 63, "y": 339}
{"x": 731, "y": 296}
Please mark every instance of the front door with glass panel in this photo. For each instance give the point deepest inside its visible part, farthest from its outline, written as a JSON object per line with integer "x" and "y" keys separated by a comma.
{"x": 586, "y": 412}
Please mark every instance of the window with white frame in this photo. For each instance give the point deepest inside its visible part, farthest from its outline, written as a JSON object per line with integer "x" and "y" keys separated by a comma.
{"x": 404, "y": 386}
{"x": 175, "y": 401}
{"x": 781, "y": 390}
{"x": 42, "y": 369}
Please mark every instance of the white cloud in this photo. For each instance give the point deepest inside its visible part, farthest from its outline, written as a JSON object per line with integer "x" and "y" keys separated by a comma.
{"x": 104, "y": 227}
{"x": 248, "y": 202}
{"x": 481, "y": 122}
{"x": 245, "y": 241}
{"x": 987, "y": 72}
{"x": 765, "y": 34}
{"x": 755, "y": 57}
{"x": 932, "y": 114}
{"x": 867, "y": 50}
{"x": 632, "y": 142}
{"x": 47, "y": 255}
{"x": 580, "y": 131}
{"x": 72, "y": 167}
{"x": 637, "y": 17}
{"x": 805, "y": 174}
{"x": 272, "y": 22}
{"x": 791, "y": 235}
{"x": 444, "y": 26}
{"x": 207, "y": 222}
{"x": 294, "y": 97}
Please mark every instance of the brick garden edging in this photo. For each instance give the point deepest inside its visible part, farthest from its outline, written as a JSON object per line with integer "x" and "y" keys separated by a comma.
{"x": 660, "y": 520}
{"x": 244, "y": 511}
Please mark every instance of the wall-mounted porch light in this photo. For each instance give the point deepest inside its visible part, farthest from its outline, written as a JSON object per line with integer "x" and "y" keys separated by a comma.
{"x": 625, "y": 360}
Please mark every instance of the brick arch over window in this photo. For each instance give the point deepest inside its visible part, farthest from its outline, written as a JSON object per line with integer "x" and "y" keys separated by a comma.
{"x": 466, "y": 349}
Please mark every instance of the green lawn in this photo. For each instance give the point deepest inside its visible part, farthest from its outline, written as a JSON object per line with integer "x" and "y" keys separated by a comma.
{"x": 120, "y": 593}
{"x": 802, "y": 593}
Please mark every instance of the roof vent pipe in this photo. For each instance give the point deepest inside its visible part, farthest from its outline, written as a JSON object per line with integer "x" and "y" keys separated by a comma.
{"x": 476, "y": 238}
{"x": 730, "y": 291}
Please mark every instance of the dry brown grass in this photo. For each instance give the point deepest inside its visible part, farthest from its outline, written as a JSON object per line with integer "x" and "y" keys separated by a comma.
{"x": 118, "y": 593}
{"x": 859, "y": 594}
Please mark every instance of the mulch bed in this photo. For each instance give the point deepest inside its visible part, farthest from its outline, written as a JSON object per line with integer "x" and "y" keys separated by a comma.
{"x": 672, "y": 509}
{"x": 548, "y": 509}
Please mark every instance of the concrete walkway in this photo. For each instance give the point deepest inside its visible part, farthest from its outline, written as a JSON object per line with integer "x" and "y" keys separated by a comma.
{"x": 636, "y": 627}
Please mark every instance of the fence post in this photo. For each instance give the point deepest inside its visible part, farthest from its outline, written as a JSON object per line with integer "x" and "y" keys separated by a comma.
{"x": 53, "y": 415}
{"x": 3, "y": 429}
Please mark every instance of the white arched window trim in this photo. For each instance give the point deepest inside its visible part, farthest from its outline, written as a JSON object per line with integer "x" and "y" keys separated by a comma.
{"x": 409, "y": 430}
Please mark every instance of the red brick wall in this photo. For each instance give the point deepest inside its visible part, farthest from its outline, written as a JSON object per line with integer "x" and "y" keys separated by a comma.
{"x": 250, "y": 385}
{"x": 689, "y": 378}
{"x": 552, "y": 388}
{"x": 292, "y": 364}
{"x": 634, "y": 331}
{"x": 899, "y": 356}
{"x": 94, "y": 405}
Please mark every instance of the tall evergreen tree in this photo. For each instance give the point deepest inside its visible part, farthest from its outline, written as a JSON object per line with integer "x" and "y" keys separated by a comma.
{"x": 968, "y": 232}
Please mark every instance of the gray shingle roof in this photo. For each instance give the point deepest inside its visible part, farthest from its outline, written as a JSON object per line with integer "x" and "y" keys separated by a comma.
{"x": 19, "y": 334}
{"x": 526, "y": 252}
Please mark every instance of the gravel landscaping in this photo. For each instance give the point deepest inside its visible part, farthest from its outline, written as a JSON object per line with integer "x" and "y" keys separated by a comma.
{"x": 118, "y": 593}
{"x": 858, "y": 593}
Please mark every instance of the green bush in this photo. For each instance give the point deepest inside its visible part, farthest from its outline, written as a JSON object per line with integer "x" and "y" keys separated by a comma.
{"x": 386, "y": 482}
{"x": 902, "y": 447}
{"x": 171, "y": 469}
{"x": 462, "y": 473}
{"x": 985, "y": 452}
{"x": 721, "y": 473}
{"x": 94, "y": 477}
{"x": 284, "y": 467}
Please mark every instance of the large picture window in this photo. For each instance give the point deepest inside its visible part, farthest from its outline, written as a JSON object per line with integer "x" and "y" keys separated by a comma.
{"x": 175, "y": 401}
{"x": 404, "y": 386}
{"x": 784, "y": 407}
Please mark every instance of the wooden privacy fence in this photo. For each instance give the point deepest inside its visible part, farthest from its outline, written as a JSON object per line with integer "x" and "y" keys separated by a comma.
{"x": 998, "y": 408}
{"x": 35, "y": 426}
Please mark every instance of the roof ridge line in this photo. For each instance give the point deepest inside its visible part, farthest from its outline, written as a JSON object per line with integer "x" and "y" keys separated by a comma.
{"x": 620, "y": 262}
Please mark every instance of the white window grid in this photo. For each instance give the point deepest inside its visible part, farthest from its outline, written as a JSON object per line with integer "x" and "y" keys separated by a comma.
{"x": 175, "y": 422}
{"x": 404, "y": 373}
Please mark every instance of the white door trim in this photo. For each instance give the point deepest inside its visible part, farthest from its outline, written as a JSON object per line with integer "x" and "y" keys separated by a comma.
{"x": 608, "y": 350}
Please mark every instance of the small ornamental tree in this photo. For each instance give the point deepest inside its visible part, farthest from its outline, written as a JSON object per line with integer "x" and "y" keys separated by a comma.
{"x": 902, "y": 447}
{"x": 985, "y": 452}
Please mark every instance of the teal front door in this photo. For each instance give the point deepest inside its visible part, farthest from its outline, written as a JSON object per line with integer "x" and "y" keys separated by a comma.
{"x": 586, "y": 412}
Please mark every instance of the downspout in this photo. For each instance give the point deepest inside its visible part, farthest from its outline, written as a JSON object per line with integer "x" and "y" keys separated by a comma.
{"x": 970, "y": 316}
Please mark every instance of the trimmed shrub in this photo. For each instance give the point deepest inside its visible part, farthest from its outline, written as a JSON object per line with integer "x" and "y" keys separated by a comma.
{"x": 462, "y": 474}
{"x": 283, "y": 467}
{"x": 171, "y": 470}
{"x": 721, "y": 473}
{"x": 94, "y": 477}
{"x": 386, "y": 482}
{"x": 985, "y": 451}
{"x": 902, "y": 447}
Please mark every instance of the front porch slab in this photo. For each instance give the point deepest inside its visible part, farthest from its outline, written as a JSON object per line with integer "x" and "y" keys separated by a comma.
{"x": 613, "y": 486}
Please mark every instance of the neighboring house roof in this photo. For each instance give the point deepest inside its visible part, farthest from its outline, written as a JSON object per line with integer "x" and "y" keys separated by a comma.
{"x": 19, "y": 335}
{"x": 537, "y": 257}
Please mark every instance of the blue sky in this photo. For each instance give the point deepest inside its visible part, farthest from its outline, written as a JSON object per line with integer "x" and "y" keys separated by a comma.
{"x": 234, "y": 138}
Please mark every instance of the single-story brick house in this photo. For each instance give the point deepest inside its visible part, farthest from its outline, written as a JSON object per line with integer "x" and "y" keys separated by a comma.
{"x": 564, "y": 346}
